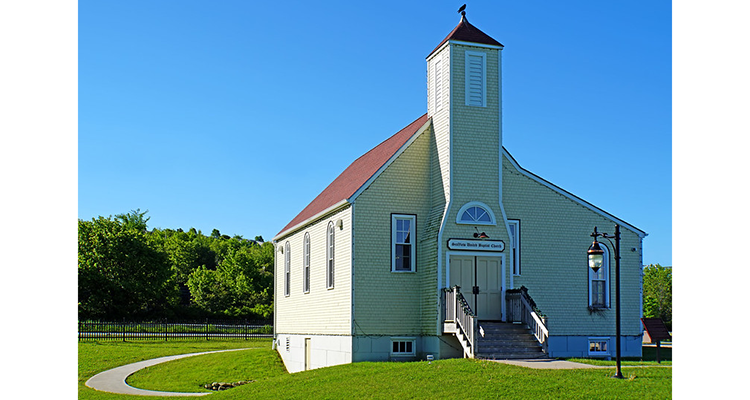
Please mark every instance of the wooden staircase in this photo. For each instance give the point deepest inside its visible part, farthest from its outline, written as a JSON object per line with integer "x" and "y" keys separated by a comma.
{"x": 507, "y": 340}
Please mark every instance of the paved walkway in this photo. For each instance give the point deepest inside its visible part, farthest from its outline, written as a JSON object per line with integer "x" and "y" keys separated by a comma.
{"x": 546, "y": 363}
{"x": 113, "y": 380}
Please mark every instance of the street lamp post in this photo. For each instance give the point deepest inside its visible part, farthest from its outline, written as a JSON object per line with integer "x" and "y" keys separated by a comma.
{"x": 596, "y": 259}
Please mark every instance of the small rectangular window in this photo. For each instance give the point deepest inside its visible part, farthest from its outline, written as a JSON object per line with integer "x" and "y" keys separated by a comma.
{"x": 402, "y": 347}
{"x": 403, "y": 243}
{"x": 598, "y": 346}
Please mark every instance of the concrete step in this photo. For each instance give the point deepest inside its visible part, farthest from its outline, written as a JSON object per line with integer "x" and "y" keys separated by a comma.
{"x": 510, "y": 356}
{"x": 507, "y": 341}
{"x": 500, "y": 349}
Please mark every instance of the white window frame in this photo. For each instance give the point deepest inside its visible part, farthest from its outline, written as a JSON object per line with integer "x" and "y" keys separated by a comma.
{"x": 515, "y": 246}
{"x": 395, "y": 218}
{"x": 483, "y": 77}
{"x": 600, "y": 340}
{"x": 602, "y": 273}
{"x": 306, "y": 263}
{"x": 478, "y": 204}
{"x": 404, "y": 340}
{"x": 287, "y": 270}
{"x": 330, "y": 255}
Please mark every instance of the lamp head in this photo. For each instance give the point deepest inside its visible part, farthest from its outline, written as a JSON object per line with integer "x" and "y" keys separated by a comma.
{"x": 595, "y": 256}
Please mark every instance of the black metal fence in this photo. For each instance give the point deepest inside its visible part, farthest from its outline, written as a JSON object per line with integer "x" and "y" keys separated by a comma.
{"x": 173, "y": 330}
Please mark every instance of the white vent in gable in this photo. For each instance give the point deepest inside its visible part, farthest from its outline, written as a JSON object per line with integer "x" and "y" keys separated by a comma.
{"x": 475, "y": 79}
{"x": 438, "y": 85}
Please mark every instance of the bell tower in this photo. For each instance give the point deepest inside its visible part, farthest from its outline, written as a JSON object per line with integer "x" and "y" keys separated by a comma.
{"x": 464, "y": 100}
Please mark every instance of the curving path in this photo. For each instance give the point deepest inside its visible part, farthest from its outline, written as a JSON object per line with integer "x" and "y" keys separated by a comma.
{"x": 113, "y": 380}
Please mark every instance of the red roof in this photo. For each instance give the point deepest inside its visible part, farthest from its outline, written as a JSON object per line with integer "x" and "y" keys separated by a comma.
{"x": 467, "y": 32}
{"x": 357, "y": 174}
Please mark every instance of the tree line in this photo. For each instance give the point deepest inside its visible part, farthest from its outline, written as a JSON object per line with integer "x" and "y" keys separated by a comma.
{"x": 127, "y": 271}
{"x": 657, "y": 293}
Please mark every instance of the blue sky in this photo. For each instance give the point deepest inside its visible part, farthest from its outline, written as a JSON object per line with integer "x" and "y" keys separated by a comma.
{"x": 236, "y": 114}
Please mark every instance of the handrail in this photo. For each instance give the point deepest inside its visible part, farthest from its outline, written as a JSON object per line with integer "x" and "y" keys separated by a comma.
{"x": 457, "y": 309}
{"x": 521, "y": 309}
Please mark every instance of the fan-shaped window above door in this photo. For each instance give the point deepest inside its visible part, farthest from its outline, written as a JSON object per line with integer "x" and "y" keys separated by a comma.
{"x": 475, "y": 213}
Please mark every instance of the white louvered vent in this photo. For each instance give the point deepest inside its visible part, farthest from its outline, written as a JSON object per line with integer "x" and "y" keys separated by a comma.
{"x": 438, "y": 85}
{"x": 475, "y": 79}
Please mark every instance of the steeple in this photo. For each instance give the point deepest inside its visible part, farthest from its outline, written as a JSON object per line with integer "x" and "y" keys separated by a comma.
{"x": 467, "y": 32}
{"x": 465, "y": 103}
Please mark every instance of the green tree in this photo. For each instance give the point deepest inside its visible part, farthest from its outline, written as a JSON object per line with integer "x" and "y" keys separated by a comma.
{"x": 121, "y": 272}
{"x": 657, "y": 293}
{"x": 241, "y": 284}
{"x": 135, "y": 219}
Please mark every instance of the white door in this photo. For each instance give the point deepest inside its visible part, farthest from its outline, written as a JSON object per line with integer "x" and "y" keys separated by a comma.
{"x": 488, "y": 303}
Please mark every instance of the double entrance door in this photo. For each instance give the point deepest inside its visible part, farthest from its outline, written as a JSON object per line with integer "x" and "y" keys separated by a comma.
{"x": 484, "y": 272}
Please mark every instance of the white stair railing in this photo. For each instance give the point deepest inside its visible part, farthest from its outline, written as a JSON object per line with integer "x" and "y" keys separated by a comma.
{"x": 457, "y": 309}
{"x": 520, "y": 308}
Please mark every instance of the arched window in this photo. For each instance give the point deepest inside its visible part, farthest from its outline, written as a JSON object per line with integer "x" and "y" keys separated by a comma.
{"x": 287, "y": 269}
{"x": 599, "y": 283}
{"x": 306, "y": 263}
{"x": 330, "y": 241}
{"x": 475, "y": 213}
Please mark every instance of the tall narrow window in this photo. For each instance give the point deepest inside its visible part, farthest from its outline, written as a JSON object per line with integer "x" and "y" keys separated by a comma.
{"x": 438, "y": 71}
{"x": 403, "y": 247}
{"x": 599, "y": 283}
{"x": 329, "y": 256}
{"x": 306, "y": 263}
{"x": 476, "y": 84}
{"x": 287, "y": 269}
{"x": 515, "y": 239}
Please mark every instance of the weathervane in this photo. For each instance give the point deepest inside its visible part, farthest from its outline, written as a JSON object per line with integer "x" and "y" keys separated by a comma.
{"x": 461, "y": 10}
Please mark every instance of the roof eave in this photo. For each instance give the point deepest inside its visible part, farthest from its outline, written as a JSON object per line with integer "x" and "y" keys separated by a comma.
{"x": 330, "y": 210}
{"x": 572, "y": 197}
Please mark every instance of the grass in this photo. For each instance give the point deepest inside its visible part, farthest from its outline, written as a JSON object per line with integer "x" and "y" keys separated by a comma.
{"x": 648, "y": 358}
{"x": 95, "y": 357}
{"x": 442, "y": 379}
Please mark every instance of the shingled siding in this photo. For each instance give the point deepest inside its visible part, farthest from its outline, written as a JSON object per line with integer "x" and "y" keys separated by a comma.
{"x": 554, "y": 238}
{"x": 322, "y": 310}
{"x": 476, "y": 142}
{"x": 388, "y": 303}
{"x": 441, "y": 117}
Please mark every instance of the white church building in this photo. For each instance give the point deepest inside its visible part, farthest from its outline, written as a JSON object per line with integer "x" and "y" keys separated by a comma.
{"x": 427, "y": 245}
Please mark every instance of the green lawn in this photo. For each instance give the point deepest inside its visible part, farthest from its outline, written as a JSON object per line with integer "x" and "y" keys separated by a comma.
{"x": 458, "y": 378}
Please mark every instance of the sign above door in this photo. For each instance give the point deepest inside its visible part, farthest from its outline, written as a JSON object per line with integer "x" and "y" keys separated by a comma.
{"x": 476, "y": 245}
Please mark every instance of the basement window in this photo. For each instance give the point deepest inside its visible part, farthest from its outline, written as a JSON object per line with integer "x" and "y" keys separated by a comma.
{"x": 598, "y": 346}
{"x": 402, "y": 347}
